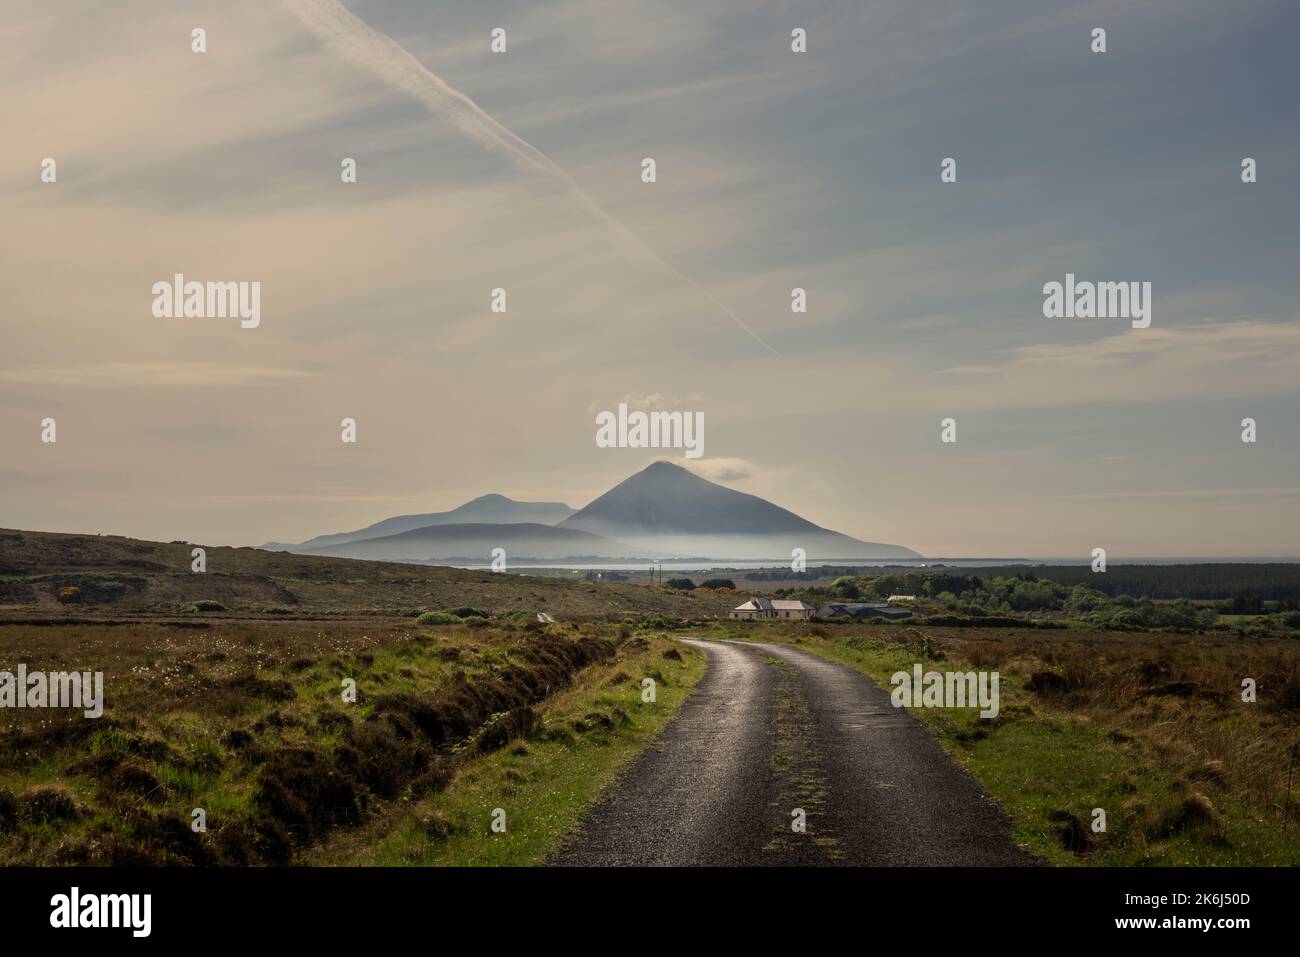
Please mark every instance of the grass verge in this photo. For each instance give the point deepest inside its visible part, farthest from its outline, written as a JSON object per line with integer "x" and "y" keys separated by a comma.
{"x": 587, "y": 736}
{"x": 1149, "y": 728}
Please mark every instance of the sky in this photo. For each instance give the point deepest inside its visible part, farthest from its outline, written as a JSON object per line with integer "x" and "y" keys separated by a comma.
{"x": 522, "y": 170}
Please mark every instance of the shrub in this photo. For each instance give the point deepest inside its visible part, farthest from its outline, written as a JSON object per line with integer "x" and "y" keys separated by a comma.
{"x": 683, "y": 584}
{"x": 1127, "y": 620}
{"x": 93, "y": 587}
{"x": 207, "y": 604}
{"x": 465, "y": 611}
{"x": 437, "y": 618}
{"x": 728, "y": 583}
{"x": 70, "y": 595}
{"x": 846, "y": 587}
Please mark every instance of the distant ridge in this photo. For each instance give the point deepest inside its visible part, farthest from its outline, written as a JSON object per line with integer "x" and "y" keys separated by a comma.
{"x": 490, "y": 509}
{"x": 520, "y": 540}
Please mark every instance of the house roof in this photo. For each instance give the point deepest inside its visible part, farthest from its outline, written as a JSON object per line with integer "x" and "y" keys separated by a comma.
{"x": 779, "y": 604}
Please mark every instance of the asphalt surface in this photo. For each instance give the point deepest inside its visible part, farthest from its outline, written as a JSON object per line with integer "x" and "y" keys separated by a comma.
{"x": 770, "y": 729}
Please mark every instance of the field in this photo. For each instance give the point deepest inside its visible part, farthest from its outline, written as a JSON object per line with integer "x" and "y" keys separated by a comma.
{"x": 246, "y": 720}
{"x": 1150, "y": 727}
{"x": 330, "y": 711}
{"x": 224, "y": 694}
{"x": 247, "y": 725}
{"x": 127, "y": 577}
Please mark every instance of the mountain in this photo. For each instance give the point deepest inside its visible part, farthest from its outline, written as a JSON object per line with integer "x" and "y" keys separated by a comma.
{"x": 666, "y": 510}
{"x": 489, "y": 509}
{"x": 476, "y": 542}
{"x": 663, "y": 511}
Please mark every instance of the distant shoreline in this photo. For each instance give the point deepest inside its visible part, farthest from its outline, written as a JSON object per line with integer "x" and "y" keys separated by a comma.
{"x": 703, "y": 564}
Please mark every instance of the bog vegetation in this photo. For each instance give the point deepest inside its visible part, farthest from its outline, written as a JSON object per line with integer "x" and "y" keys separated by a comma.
{"x": 245, "y": 728}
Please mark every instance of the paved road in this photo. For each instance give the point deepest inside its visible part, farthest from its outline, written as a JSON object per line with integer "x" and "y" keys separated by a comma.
{"x": 770, "y": 729}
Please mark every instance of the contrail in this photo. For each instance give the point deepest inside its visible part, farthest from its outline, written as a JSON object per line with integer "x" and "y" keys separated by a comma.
{"x": 359, "y": 43}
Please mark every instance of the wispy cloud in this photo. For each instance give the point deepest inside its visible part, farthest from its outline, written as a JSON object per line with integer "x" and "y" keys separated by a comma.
{"x": 359, "y": 43}
{"x": 1198, "y": 360}
{"x": 1210, "y": 493}
{"x": 718, "y": 469}
{"x": 353, "y": 39}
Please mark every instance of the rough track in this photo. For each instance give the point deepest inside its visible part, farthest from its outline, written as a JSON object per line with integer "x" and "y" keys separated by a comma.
{"x": 770, "y": 729}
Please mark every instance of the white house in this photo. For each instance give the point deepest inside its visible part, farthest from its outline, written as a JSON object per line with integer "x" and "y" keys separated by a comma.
{"x": 773, "y": 608}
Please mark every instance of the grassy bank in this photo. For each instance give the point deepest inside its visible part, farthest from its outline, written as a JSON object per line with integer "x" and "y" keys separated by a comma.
{"x": 1149, "y": 727}
{"x": 589, "y": 733}
{"x": 249, "y": 723}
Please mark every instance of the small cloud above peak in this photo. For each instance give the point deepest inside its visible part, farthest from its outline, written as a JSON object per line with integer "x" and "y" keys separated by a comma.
{"x": 723, "y": 470}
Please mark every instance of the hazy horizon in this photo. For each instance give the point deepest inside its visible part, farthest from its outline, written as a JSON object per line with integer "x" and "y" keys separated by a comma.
{"x": 775, "y": 170}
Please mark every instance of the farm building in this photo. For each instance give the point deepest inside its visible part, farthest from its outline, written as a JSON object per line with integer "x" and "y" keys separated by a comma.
{"x": 759, "y": 607}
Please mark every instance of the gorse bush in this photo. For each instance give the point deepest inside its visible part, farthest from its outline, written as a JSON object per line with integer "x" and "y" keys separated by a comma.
{"x": 92, "y": 587}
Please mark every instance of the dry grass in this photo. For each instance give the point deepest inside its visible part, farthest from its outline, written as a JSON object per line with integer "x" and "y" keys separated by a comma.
{"x": 1180, "y": 695}
{"x": 1150, "y": 726}
{"x": 247, "y": 721}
